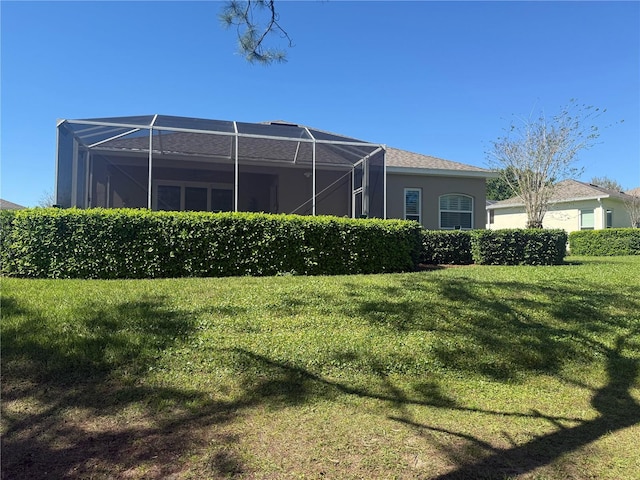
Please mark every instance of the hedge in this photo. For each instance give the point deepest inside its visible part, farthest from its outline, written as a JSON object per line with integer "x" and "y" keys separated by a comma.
{"x": 446, "y": 247}
{"x": 518, "y": 247}
{"x": 612, "y": 241}
{"x": 127, "y": 243}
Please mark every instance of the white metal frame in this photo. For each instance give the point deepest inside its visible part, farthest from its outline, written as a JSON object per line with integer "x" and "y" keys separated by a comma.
{"x": 95, "y": 125}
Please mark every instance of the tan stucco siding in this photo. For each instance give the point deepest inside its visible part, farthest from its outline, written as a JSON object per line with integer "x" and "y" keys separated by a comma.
{"x": 432, "y": 187}
{"x": 565, "y": 215}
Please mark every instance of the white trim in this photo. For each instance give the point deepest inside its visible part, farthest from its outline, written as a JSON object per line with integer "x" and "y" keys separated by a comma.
{"x": 439, "y": 172}
{"x": 471, "y": 212}
{"x": 593, "y": 214}
{"x": 404, "y": 204}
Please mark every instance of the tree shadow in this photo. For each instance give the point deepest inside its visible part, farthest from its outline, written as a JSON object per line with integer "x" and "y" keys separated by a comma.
{"x": 503, "y": 340}
{"x": 73, "y": 379}
{"x": 95, "y": 364}
{"x": 617, "y": 410}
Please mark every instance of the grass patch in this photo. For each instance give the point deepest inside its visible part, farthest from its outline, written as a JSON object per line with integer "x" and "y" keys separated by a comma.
{"x": 469, "y": 372}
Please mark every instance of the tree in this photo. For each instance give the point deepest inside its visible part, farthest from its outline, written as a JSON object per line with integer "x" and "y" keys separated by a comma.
{"x": 632, "y": 205}
{"x": 47, "y": 199}
{"x": 541, "y": 152}
{"x": 499, "y": 188}
{"x": 255, "y": 20}
{"x": 606, "y": 182}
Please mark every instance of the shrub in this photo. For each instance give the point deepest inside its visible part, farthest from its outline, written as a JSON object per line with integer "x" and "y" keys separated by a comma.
{"x": 518, "y": 247}
{"x": 612, "y": 241}
{"x": 126, "y": 243}
{"x": 446, "y": 247}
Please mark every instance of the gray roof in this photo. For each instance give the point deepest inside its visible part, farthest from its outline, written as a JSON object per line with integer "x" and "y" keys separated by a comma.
{"x": 7, "y": 205}
{"x": 402, "y": 159}
{"x": 181, "y": 137}
{"x": 568, "y": 191}
{"x": 634, "y": 192}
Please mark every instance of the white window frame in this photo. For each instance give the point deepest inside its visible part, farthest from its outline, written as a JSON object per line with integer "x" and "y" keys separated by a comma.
{"x": 471, "y": 212}
{"x": 419, "y": 215}
{"x": 183, "y": 186}
{"x": 593, "y": 215}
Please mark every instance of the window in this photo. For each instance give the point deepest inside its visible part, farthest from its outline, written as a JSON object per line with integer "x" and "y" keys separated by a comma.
{"x": 168, "y": 197}
{"x": 586, "y": 220}
{"x": 176, "y": 196}
{"x": 456, "y": 212}
{"x": 412, "y": 204}
{"x": 609, "y": 223}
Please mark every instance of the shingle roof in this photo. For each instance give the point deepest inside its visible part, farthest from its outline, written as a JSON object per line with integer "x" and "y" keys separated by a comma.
{"x": 634, "y": 191}
{"x": 7, "y": 205}
{"x": 187, "y": 143}
{"x": 567, "y": 191}
{"x": 405, "y": 159}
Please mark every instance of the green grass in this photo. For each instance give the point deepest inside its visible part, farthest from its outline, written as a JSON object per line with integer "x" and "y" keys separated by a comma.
{"x": 468, "y": 372}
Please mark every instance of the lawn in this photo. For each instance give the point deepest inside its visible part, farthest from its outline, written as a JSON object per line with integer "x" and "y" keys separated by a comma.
{"x": 466, "y": 372}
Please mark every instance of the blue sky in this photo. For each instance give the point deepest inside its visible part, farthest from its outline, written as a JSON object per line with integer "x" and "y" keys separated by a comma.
{"x": 439, "y": 78}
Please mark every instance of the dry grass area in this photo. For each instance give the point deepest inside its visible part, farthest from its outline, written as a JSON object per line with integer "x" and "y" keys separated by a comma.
{"x": 478, "y": 372}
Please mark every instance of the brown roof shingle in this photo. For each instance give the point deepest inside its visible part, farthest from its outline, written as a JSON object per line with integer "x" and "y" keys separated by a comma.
{"x": 405, "y": 159}
{"x": 569, "y": 190}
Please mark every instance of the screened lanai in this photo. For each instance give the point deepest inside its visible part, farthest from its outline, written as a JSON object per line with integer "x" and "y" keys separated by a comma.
{"x": 175, "y": 163}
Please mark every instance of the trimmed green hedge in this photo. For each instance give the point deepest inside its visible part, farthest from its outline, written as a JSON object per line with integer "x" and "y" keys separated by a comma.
{"x": 612, "y": 241}
{"x": 518, "y": 247}
{"x": 126, "y": 243}
{"x": 446, "y": 247}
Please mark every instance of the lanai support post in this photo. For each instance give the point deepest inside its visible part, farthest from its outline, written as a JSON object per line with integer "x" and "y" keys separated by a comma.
{"x": 236, "y": 171}
{"x": 150, "y": 184}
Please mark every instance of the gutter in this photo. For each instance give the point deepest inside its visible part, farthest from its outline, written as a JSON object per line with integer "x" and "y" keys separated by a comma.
{"x": 568, "y": 200}
{"x": 441, "y": 172}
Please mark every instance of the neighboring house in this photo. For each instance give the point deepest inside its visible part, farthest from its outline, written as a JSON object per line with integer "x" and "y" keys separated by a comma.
{"x": 6, "y": 205}
{"x": 176, "y": 163}
{"x": 574, "y": 206}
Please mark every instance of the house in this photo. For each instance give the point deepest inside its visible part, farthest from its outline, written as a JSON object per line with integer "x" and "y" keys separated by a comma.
{"x": 574, "y": 206}
{"x": 7, "y": 205}
{"x": 175, "y": 163}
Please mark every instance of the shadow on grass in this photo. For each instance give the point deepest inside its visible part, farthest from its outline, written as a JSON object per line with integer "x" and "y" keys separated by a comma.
{"x": 617, "y": 410}
{"x": 74, "y": 379}
{"x": 95, "y": 364}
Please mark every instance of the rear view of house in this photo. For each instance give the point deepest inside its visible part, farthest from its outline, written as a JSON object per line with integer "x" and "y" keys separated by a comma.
{"x": 175, "y": 163}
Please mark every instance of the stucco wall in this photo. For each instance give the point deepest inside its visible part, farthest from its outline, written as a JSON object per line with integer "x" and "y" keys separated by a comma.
{"x": 565, "y": 216}
{"x": 432, "y": 188}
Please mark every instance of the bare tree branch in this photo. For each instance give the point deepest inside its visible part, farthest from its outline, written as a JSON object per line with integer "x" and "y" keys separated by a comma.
{"x": 632, "y": 205}
{"x": 539, "y": 153}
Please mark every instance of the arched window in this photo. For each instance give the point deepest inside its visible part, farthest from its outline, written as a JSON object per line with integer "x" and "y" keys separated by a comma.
{"x": 456, "y": 212}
